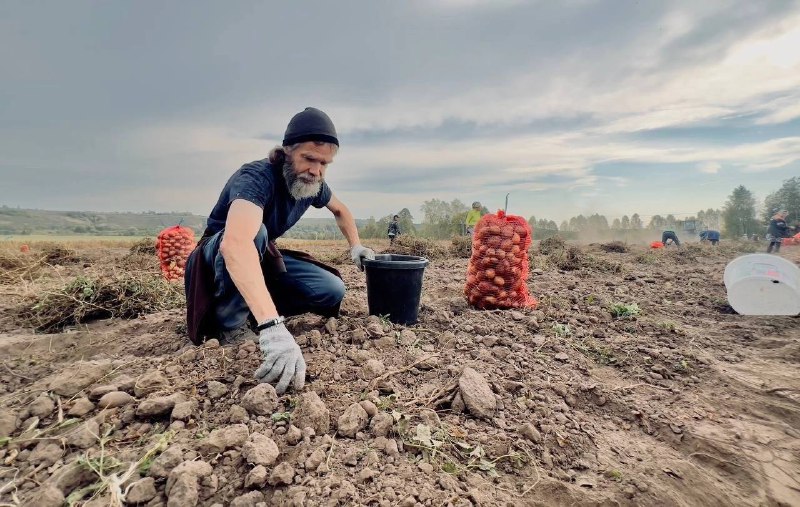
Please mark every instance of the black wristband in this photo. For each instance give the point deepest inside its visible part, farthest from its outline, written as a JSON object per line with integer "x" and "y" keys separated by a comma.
{"x": 269, "y": 323}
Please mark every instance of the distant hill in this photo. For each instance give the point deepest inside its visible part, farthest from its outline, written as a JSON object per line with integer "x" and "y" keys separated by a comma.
{"x": 18, "y": 221}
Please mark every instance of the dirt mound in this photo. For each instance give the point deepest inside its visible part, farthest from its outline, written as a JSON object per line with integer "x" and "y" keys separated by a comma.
{"x": 553, "y": 244}
{"x": 633, "y": 387}
{"x": 13, "y": 260}
{"x": 614, "y": 246}
{"x": 55, "y": 253}
{"x": 461, "y": 247}
{"x": 420, "y": 247}
{"x": 84, "y": 299}
{"x": 145, "y": 246}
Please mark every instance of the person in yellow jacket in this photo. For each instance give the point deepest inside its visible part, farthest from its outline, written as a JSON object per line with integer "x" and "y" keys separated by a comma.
{"x": 473, "y": 216}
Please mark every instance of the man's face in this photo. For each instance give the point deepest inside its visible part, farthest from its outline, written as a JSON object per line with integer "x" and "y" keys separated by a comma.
{"x": 304, "y": 169}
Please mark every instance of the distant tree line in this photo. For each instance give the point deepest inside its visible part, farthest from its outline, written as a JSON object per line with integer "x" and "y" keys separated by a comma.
{"x": 743, "y": 217}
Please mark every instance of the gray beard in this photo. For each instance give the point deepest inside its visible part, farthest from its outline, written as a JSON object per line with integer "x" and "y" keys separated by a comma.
{"x": 299, "y": 188}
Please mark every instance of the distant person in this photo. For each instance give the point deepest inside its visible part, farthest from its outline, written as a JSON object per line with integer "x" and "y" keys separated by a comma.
{"x": 710, "y": 235}
{"x": 237, "y": 276}
{"x": 473, "y": 216}
{"x": 669, "y": 237}
{"x": 777, "y": 230}
{"x": 394, "y": 229}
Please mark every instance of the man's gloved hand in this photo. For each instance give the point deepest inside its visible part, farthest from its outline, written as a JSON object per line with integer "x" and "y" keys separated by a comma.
{"x": 359, "y": 253}
{"x": 282, "y": 358}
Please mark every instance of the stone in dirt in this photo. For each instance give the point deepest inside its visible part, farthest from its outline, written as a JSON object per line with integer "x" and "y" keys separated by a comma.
{"x": 46, "y": 452}
{"x": 282, "y": 475}
{"x": 367, "y": 473}
{"x": 183, "y": 411}
{"x": 47, "y": 496}
{"x": 430, "y": 417}
{"x": 293, "y": 435}
{"x": 331, "y": 325}
{"x": 369, "y": 407}
{"x": 530, "y": 432}
{"x": 228, "y": 437}
{"x": 311, "y": 412}
{"x": 183, "y": 487}
{"x": 314, "y": 460}
{"x": 260, "y": 400}
{"x": 372, "y": 369}
{"x": 260, "y": 450}
{"x": 457, "y": 406}
{"x": 98, "y": 392}
{"x": 125, "y": 383}
{"x": 382, "y": 424}
{"x": 8, "y": 422}
{"x": 141, "y": 491}
{"x": 150, "y": 382}
{"x": 237, "y": 414}
{"x": 167, "y": 461}
{"x": 216, "y": 389}
{"x": 80, "y": 407}
{"x": 353, "y": 420}
{"x": 85, "y": 436}
{"x": 374, "y": 327}
{"x": 183, "y": 491}
{"x": 115, "y": 399}
{"x": 42, "y": 406}
{"x": 476, "y": 393}
{"x": 257, "y": 477}
{"x": 251, "y": 499}
{"x": 159, "y": 406}
{"x": 71, "y": 476}
{"x": 78, "y": 376}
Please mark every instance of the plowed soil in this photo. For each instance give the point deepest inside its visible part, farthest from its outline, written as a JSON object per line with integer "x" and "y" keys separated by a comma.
{"x": 681, "y": 402}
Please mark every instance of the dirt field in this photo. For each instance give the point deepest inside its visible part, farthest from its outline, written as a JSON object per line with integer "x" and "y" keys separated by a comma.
{"x": 682, "y": 403}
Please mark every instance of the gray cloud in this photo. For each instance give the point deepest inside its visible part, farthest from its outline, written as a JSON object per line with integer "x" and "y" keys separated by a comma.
{"x": 112, "y": 102}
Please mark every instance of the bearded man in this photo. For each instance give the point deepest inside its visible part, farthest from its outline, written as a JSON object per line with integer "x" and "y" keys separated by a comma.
{"x": 239, "y": 286}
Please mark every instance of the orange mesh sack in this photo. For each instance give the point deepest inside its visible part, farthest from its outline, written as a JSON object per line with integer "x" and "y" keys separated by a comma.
{"x": 173, "y": 246}
{"x": 498, "y": 268}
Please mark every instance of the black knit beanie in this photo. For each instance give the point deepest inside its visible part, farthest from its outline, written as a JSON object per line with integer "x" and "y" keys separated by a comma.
{"x": 310, "y": 124}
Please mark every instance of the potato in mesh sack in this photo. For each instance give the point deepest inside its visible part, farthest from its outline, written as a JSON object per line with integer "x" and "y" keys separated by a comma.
{"x": 173, "y": 246}
{"x": 498, "y": 267}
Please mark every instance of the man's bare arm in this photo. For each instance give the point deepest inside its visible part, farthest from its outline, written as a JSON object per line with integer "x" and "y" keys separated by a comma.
{"x": 241, "y": 258}
{"x": 345, "y": 220}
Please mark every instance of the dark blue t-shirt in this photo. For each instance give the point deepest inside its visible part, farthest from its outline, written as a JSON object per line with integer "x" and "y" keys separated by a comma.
{"x": 263, "y": 184}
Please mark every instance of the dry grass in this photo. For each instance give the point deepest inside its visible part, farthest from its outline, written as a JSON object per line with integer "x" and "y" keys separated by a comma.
{"x": 145, "y": 246}
{"x": 461, "y": 247}
{"x": 614, "y": 246}
{"x": 420, "y": 247}
{"x": 552, "y": 245}
{"x": 125, "y": 295}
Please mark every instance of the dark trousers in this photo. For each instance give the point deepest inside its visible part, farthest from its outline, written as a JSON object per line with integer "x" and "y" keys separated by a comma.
{"x": 666, "y": 236}
{"x": 774, "y": 246}
{"x": 304, "y": 287}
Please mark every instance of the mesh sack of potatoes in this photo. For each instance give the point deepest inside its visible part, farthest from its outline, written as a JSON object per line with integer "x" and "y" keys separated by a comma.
{"x": 498, "y": 269}
{"x": 173, "y": 246}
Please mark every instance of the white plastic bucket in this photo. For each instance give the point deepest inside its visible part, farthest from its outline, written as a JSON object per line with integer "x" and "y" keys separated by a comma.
{"x": 762, "y": 284}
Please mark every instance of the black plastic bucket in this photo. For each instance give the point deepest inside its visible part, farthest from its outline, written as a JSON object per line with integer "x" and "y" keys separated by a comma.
{"x": 394, "y": 285}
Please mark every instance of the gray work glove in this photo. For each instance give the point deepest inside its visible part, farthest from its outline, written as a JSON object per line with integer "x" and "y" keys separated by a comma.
{"x": 358, "y": 253}
{"x": 282, "y": 359}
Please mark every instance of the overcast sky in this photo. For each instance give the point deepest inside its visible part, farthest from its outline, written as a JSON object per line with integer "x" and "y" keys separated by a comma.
{"x": 573, "y": 107}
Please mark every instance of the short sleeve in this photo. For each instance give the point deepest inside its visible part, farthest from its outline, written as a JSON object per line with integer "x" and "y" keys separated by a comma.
{"x": 323, "y": 197}
{"x": 250, "y": 187}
